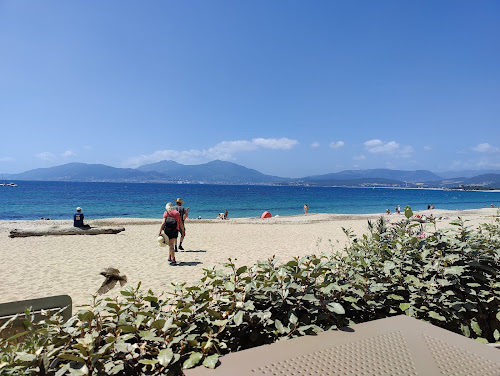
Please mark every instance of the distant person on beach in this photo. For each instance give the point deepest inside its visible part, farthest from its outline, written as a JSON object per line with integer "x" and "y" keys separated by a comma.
{"x": 428, "y": 206}
{"x": 78, "y": 219}
{"x": 432, "y": 206}
{"x": 225, "y": 214}
{"x": 387, "y": 211}
{"x": 306, "y": 208}
{"x": 183, "y": 214}
{"x": 171, "y": 225}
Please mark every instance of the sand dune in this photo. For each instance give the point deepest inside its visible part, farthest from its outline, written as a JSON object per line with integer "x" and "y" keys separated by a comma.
{"x": 35, "y": 267}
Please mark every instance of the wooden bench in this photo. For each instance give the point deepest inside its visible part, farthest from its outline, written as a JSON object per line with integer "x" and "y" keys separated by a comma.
{"x": 52, "y": 304}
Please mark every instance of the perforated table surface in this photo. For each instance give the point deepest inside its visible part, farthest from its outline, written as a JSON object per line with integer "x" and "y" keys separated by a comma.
{"x": 396, "y": 346}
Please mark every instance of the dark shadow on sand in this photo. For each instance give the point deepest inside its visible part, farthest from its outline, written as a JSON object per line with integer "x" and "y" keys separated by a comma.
{"x": 347, "y": 329}
{"x": 192, "y": 251}
{"x": 188, "y": 263}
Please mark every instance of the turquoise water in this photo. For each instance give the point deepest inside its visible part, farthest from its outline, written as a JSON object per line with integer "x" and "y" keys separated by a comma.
{"x": 58, "y": 200}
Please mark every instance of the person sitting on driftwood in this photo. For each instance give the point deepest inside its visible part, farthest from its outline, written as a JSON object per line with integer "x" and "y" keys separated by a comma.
{"x": 78, "y": 219}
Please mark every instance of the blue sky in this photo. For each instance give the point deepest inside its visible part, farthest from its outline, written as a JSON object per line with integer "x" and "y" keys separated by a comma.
{"x": 290, "y": 88}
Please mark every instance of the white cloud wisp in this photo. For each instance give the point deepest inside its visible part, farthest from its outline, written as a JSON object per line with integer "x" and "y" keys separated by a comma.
{"x": 224, "y": 150}
{"x": 336, "y": 144}
{"x": 485, "y": 148}
{"x": 392, "y": 147}
{"x": 46, "y": 156}
{"x": 68, "y": 153}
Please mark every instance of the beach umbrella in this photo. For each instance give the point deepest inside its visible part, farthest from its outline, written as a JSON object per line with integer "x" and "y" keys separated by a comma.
{"x": 266, "y": 214}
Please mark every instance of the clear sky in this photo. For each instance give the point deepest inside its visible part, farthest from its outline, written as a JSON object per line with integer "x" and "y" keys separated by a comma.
{"x": 290, "y": 88}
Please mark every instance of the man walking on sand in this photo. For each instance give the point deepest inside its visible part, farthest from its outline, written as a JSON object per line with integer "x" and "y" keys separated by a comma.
{"x": 182, "y": 212}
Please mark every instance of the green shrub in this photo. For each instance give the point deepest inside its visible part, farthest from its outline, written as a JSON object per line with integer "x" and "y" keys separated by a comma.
{"x": 448, "y": 279}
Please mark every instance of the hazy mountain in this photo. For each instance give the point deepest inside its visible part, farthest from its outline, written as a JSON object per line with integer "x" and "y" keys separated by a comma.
{"x": 486, "y": 180}
{"x": 164, "y": 171}
{"x": 231, "y": 173}
{"x": 466, "y": 173}
{"x": 395, "y": 175}
{"x": 165, "y": 167}
{"x": 215, "y": 171}
{"x": 85, "y": 172}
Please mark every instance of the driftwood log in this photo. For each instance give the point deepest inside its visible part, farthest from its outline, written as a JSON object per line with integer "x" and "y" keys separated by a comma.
{"x": 55, "y": 230}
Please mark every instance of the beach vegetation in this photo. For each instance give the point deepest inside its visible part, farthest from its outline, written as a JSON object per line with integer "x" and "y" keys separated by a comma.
{"x": 448, "y": 278}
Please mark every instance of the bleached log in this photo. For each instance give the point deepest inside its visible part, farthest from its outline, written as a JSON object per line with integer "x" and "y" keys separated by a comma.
{"x": 55, "y": 230}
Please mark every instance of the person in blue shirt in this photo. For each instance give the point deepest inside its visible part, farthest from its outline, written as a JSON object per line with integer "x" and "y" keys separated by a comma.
{"x": 78, "y": 218}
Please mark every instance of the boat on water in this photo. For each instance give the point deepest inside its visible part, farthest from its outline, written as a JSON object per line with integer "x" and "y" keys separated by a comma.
{"x": 5, "y": 184}
{"x": 8, "y": 184}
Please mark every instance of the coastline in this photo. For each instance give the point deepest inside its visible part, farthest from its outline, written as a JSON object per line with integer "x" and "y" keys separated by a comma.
{"x": 35, "y": 267}
{"x": 302, "y": 218}
{"x": 57, "y": 201}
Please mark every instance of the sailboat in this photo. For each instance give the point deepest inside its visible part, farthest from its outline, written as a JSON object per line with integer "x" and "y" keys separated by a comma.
{"x": 4, "y": 183}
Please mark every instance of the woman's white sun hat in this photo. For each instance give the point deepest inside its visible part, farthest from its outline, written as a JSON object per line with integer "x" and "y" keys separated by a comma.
{"x": 161, "y": 241}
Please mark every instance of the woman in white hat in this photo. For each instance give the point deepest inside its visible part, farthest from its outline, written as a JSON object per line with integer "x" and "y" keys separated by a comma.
{"x": 171, "y": 225}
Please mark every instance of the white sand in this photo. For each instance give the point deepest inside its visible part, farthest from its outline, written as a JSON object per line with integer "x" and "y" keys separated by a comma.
{"x": 34, "y": 267}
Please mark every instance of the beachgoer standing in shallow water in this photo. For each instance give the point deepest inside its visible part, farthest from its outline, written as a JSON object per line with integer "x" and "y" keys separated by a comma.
{"x": 183, "y": 214}
{"x": 306, "y": 208}
{"x": 171, "y": 225}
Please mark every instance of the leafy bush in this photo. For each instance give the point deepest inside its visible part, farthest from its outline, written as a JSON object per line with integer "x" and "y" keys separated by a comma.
{"x": 448, "y": 279}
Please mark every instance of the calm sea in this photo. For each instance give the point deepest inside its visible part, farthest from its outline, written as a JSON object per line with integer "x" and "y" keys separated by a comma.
{"x": 58, "y": 200}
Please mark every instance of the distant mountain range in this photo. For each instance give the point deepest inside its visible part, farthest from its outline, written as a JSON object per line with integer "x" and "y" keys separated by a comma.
{"x": 404, "y": 176}
{"x": 221, "y": 172}
{"x": 211, "y": 172}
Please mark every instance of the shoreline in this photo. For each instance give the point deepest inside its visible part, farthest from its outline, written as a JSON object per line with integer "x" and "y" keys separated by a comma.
{"x": 259, "y": 184}
{"x": 57, "y": 201}
{"x": 312, "y": 216}
{"x": 34, "y": 267}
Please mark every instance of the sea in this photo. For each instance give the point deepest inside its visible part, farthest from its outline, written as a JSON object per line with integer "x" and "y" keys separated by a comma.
{"x": 32, "y": 200}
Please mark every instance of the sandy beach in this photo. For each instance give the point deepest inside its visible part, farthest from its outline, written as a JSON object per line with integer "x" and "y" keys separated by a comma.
{"x": 34, "y": 267}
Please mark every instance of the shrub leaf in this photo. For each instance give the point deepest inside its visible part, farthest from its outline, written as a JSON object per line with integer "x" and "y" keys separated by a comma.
{"x": 211, "y": 361}
{"x": 193, "y": 360}
{"x": 165, "y": 356}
